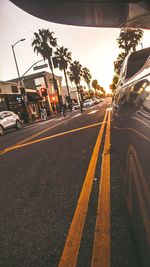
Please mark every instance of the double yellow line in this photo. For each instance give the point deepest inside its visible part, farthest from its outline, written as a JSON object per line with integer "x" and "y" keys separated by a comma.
{"x": 101, "y": 248}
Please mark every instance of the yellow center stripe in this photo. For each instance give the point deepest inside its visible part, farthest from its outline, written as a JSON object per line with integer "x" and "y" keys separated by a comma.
{"x": 70, "y": 253}
{"x": 31, "y": 137}
{"x": 101, "y": 249}
{"x": 47, "y": 138}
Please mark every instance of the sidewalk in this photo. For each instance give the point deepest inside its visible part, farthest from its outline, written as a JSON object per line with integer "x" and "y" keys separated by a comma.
{"x": 57, "y": 115}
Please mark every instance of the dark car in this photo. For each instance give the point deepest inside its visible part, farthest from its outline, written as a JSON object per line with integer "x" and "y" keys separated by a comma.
{"x": 131, "y": 131}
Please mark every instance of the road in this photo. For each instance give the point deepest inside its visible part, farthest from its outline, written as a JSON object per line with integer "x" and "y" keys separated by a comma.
{"x": 61, "y": 201}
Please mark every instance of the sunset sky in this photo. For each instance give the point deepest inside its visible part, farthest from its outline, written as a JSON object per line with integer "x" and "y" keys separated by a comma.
{"x": 94, "y": 48}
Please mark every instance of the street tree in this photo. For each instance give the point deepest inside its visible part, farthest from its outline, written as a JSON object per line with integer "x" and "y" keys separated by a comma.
{"x": 118, "y": 63}
{"x": 64, "y": 59}
{"x": 101, "y": 90}
{"x": 129, "y": 39}
{"x": 43, "y": 43}
{"x": 87, "y": 76}
{"x": 94, "y": 85}
{"x": 75, "y": 75}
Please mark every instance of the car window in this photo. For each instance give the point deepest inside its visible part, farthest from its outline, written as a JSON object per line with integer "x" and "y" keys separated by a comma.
{"x": 136, "y": 61}
{"x": 7, "y": 114}
{"x": 3, "y": 114}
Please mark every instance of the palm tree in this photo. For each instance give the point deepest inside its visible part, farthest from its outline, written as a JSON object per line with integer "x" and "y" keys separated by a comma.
{"x": 63, "y": 58}
{"x": 43, "y": 44}
{"x": 129, "y": 39}
{"x": 75, "y": 75}
{"x": 87, "y": 76}
{"x": 119, "y": 62}
{"x": 102, "y": 91}
{"x": 94, "y": 85}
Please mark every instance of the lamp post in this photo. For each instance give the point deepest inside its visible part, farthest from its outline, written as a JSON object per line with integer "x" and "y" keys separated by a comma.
{"x": 21, "y": 40}
{"x": 141, "y": 45}
{"x": 20, "y": 81}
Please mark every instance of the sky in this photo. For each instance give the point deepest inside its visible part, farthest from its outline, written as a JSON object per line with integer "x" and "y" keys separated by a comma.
{"x": 94, "y": 48}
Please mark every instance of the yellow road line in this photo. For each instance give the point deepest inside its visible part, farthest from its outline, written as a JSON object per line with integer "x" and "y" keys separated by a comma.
{"x": 101, "y": 249}
{"x": 47, "y": 138}
{"x": 70, "y": 253}
{"x": 30, "y": 137}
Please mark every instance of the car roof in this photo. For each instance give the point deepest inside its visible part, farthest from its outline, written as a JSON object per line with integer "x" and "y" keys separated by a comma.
{"x": 91, "y": 13}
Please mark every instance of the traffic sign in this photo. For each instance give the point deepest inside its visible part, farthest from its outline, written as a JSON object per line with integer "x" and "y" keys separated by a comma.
{"x": 40, "y": 67}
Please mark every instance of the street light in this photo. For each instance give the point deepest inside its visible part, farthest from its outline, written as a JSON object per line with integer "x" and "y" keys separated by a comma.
{"x": 20, "y": 80}
{"x": 21, "y": 40}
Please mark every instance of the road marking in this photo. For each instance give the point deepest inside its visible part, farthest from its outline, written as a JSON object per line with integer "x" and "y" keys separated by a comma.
{"x": 77, "y": 115}
{"x": 109, "y": 109}
{"x": 29, "y": 126}
{"x": 93, "y": 111}
{"x": 30, "y": 137}
{"x": 70, "y": 253}
{"x": 60, "y": 119}
{"x": 101, "y": 249}
{"x": 48, "y": 137}
{"x": 47, "y": 121}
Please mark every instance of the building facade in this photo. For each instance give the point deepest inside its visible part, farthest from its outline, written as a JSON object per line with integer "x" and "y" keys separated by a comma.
{"x": 73, "y": 93}
{"x": 41, "y": 80}
{"x": 12, "y": 98}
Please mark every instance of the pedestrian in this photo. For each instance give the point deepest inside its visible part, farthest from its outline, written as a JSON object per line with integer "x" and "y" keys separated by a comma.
{"x": 43, "y": 113}
{"x": 64, "y": 109}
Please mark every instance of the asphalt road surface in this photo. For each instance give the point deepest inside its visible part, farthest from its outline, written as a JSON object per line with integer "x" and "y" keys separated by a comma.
{"x": 61, "y": 200}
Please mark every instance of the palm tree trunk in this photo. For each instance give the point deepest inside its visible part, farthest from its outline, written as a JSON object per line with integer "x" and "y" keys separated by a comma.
{"x": 95, "y": 92}
{"x": 79, "y": 96}
{"x": 88, "y": 84}
{"x": 67, "y": 84}
{"x": 54, "y": 81}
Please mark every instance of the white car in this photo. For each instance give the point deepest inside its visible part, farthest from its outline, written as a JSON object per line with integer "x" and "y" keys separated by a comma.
{"x": 88, "y": 103}
{"x": 8, "y": 120}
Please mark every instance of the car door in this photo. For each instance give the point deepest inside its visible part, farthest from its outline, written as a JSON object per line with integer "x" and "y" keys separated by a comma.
{"x": 5, "y": 120}
{"x": 11, "y": 119}
{"x": 8, "y": 119}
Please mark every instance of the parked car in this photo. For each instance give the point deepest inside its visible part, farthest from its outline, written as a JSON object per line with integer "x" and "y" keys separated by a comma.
{"x": 97, "y": 100}
{"x": 9, "y": 120}
{"x": 131, "y": 131}
{"x": 94, "y": 101}
{"x": 88, "y": 103}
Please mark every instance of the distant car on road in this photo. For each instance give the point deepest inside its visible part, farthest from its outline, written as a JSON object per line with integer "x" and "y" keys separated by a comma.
{"x": 88, "y": 103}
{"x": 97, "y": 100}
{"x": 8, "y": 120}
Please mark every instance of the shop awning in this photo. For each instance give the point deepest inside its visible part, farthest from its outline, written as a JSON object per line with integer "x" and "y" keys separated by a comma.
{"x": 33, "y": 97}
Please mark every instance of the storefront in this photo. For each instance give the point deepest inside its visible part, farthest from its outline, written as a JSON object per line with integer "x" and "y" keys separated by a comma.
{"x": 10, "y": 97}
{"x": 54, "y": 102}
{"x": 35, "y": 102}
{"x": 3, "y": 105}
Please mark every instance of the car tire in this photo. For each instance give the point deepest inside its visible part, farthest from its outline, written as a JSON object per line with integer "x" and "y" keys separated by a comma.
{"x": 18, "y": 125}
{"x": 1, "y": 130}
